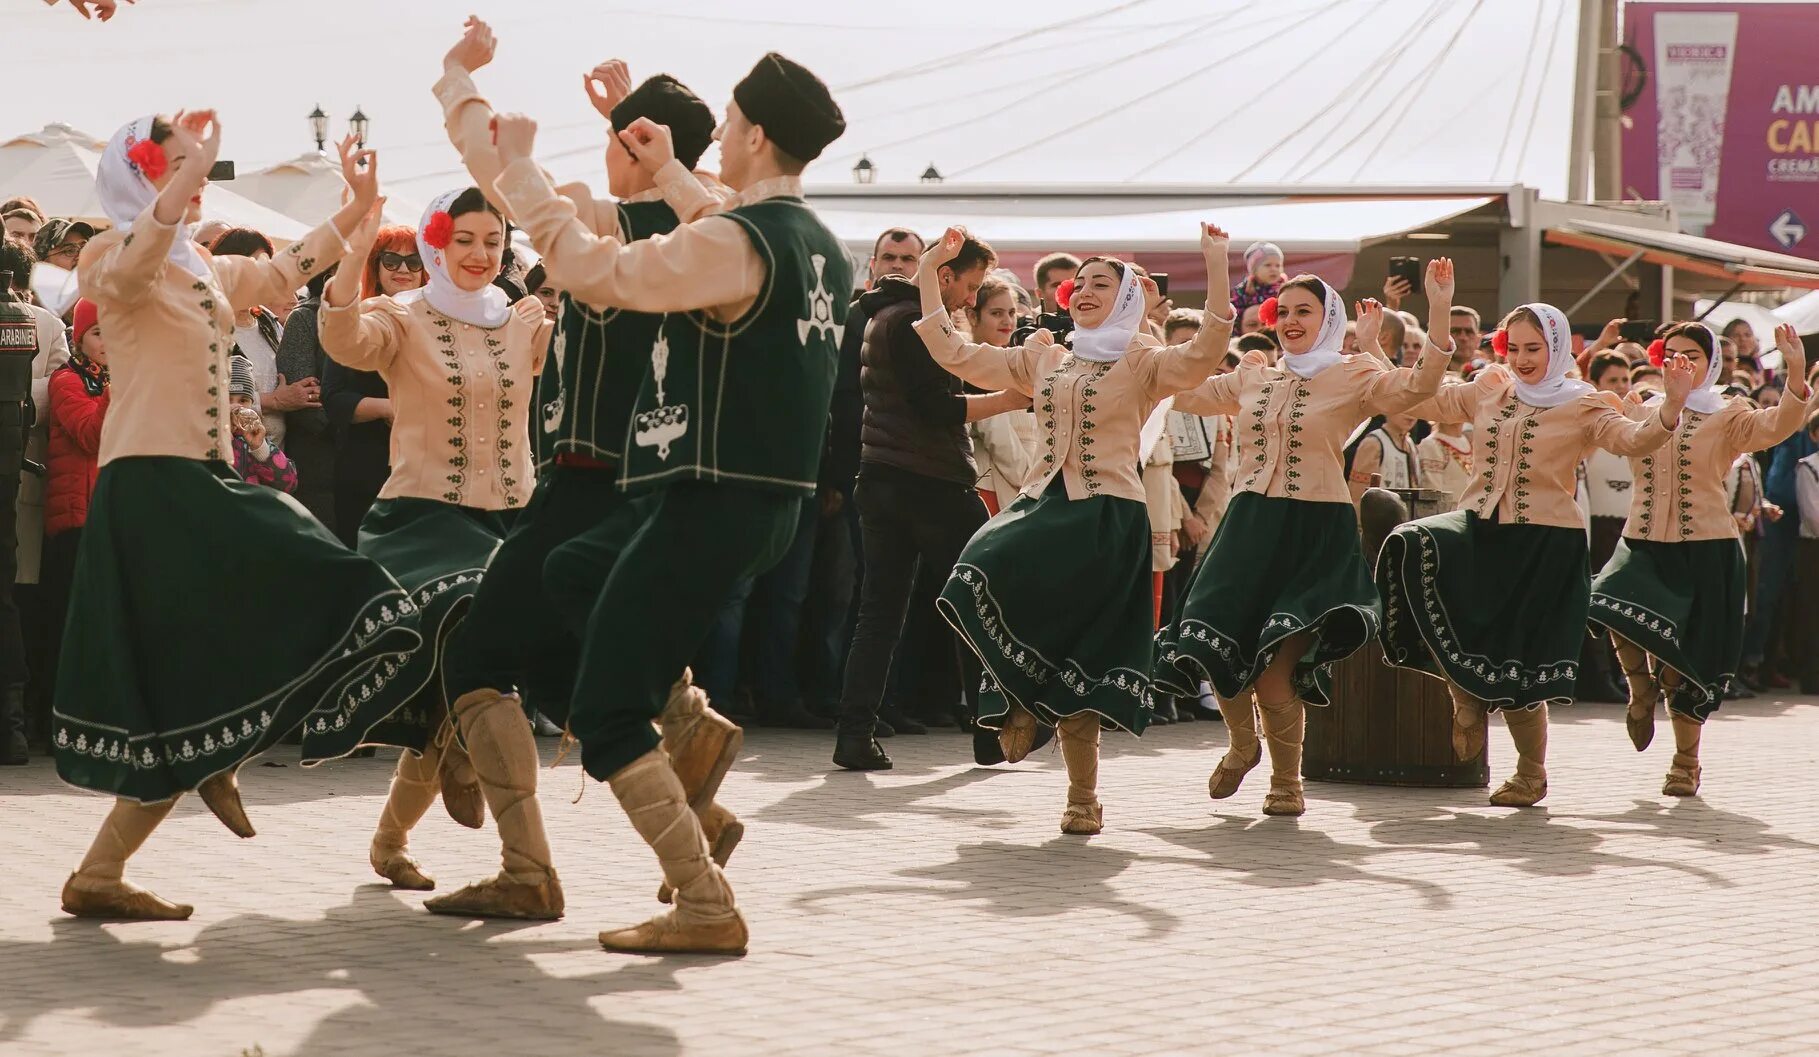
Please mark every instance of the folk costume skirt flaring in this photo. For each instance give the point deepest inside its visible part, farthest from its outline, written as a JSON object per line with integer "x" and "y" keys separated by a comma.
{"x": 209, "y": 618}
{"x": 1055, "y": 596}
{"x": 438, "y": 552}
{"x": 1683, "y": 603}
{"x": 1497, "y": 609}
{"x": 1277, "y": 567}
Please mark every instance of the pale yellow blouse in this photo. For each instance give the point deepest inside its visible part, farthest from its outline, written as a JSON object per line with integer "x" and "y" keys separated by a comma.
{"x": 1679, "y": 488}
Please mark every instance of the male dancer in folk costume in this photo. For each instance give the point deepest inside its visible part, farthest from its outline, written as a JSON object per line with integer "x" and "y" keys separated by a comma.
{"x": 512, "y": 641}
{"x": 726, "y": 438}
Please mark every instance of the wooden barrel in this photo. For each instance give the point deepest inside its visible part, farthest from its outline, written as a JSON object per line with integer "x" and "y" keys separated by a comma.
{"x": 1388, "y": 726}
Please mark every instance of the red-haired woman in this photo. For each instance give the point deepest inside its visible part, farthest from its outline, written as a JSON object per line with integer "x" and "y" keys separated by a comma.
{"x": 1672, "y": 595}
{"x": 1493, "y": 597}
{"x": 357, "y": 405}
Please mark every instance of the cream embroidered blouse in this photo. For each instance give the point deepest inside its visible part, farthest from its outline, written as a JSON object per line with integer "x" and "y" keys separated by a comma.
{"x": 461, "y": 396}
{"x": 1088, "y": 415}
{"x": 1290, "y": 431}
{"x": 169, "y": 333}
{"x": 1525, "y": 460}
{"x": 1679, "y": 491}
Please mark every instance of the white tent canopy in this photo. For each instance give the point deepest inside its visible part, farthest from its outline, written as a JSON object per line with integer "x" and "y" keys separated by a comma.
{"x": 308, "y": 188}
{"x": 1411, "y": 92}
{"x": 57, "y": 168}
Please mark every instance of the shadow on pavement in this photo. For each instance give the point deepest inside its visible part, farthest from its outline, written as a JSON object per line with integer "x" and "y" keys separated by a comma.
{"x": 1074, "y": 874}
{"x": 411, "y": 1002}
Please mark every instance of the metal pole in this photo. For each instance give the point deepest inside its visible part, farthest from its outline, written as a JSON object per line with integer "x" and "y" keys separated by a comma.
{"x": 1604, "y": 282}
{"x": 1585, "y": 111}
{"x": 1727, "y": 295}
{"x": 1608, "y": 140}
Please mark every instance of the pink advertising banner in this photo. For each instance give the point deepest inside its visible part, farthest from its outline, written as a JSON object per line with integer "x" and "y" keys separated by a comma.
{"x": 1726, "y": 127}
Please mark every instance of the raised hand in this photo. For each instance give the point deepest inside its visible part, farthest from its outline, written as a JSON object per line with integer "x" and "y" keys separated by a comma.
{"x": 1793, "y": 353}
{"x": 1370, "y": 317}
{"x": 1679, "y": 378}
{"x": 1214, "y": 239}
{"x": 1215, "y": 249}
{"x": 607, "y": 85}
{"x": 1395, "y": 289}
{"x": 1610, "y": 335}
{"x": 1495, "y": 375}
{"x": 475, "y": 48}
{"x": 944, "y": 250}
{"x": 360, "y": 168}
{"x": 650, "y": 144}
{"x": 104, "y": 8}
{"x": 198, "y": 132}
{"x": 1152, "y": 294}
{"x": 1253, "y": 358}
{"x": 1439, "y": 280}
{"x": 514, "y": 135}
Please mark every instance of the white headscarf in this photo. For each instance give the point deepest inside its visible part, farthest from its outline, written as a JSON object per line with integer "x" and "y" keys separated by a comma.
{"x": 1555, "y": 388}
{"x": 125, "y": 193}
{"x": 487, "y": 307}
{"x": 1708, "y": 398}
{"x": 1329, "y": 344}
{"x": 1109, "y": 341}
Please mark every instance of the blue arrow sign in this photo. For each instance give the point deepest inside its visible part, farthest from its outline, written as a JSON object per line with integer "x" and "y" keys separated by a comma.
{"x": 1787, "y": 229}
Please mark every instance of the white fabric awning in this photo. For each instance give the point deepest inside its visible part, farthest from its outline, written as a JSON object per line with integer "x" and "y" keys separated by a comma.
{"x": 1111, "y": 222}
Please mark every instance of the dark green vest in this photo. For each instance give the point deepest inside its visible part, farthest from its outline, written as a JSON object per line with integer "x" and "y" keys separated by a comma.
{"x": 746, "y": 402}
{"x": 585, "y": 405}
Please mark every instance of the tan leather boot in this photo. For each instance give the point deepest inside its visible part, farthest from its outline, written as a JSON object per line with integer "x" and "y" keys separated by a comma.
{"x": 1080, "y": 751}
{"x": 701, "y": 743}
{"x": 1644, "y": 687}
{"x": 504, "y": 756}
{"x": 1683, "y": 773}
{"x": 1469, "y": 717}
{"x": 1285, "y": 728}
{"x": 98, "y": 888}
{"x": 723, "y": 831}
{"x": 1243, "y": 752}
{"x": 414, "y": 786}
{"x": 1527, "y": 787}
{"x": 705, "y": 921}
{"x": 462, "y": 796}
{"x": 221, "y": 793}
{"x": 1018, "y": 736}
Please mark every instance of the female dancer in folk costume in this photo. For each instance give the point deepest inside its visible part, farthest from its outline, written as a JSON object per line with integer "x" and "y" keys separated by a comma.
{"x": 1672, "y": 596}
{"x": 1054, "y": 594}
{"x": 458, "y": 359}
{"x": 1493, "y": 597}
{"x": 1284, "y": 590}
{"x": 173, "y": 686}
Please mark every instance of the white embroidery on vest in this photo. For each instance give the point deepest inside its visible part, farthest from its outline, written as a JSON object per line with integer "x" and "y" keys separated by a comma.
{"x": 668, "y": 423}
{"x": 820, "y": 307}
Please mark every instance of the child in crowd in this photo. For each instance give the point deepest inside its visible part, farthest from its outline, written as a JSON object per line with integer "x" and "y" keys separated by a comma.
{"x": 1263, "y": 260}
{"x": 256, "y": 460}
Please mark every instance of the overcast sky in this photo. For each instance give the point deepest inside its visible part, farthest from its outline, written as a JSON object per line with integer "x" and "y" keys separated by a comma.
{"x": 1194, "y": 91}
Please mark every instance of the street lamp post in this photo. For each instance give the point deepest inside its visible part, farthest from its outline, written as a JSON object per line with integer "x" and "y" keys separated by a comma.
{"x": 864, "y": 172}
{"x": 318, "y": 127}
{"x": 358, "y": 125}
{"x": 931, "y": 175}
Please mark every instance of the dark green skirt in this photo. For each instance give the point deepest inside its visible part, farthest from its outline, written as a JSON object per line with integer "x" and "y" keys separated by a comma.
{"x": 1500, "y": 610}
{"x": 1054, "y": 595}
{"x": 438, "y": 551}
{"x": 1277, "y": 567}
{"x": 1682, "y": 602}
{"x": 208, "y": 618}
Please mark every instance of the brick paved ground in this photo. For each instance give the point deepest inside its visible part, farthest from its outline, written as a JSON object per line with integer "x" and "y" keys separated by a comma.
{"x": 937, "y": 910}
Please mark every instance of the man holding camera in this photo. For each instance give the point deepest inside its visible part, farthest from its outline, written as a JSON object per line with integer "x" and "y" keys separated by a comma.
{"x": 916, "y": 494}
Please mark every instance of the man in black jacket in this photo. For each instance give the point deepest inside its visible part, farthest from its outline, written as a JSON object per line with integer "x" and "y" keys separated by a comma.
{"x": 916, "y": 494}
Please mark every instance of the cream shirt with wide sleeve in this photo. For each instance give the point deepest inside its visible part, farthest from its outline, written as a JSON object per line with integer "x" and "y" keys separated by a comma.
{"x": 706, "y": 265}
{"x": 1088, "y": 415}
{"x": 1679, "y": 491}
{"x": 461, "y": 395}
{"x": 169, "y": 333}
{"x": 1290, "y": 432}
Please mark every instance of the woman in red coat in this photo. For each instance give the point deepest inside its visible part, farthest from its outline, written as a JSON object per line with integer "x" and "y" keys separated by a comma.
{"x": 78, "y": 403}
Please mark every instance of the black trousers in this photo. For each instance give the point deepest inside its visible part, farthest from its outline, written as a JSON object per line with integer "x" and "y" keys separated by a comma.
{"x": 904, "y": 518}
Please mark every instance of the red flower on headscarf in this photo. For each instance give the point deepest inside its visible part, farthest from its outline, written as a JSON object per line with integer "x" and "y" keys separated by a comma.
{"x": 149, "y": 158}
{"x": 1269, "y": 311}
{"x": 1657, "y": 352}
{"x": 1500, "y": 342}
{"x": 1064, "y": 293}
{"x": 439, "y": 230}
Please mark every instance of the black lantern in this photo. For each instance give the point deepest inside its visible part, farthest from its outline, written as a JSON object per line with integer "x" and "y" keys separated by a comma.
{"x": 358, "y": 125}
{"x": 864, "y": 172}
{"x": 931, "y": 175}
{"x": 318, "y": 127}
